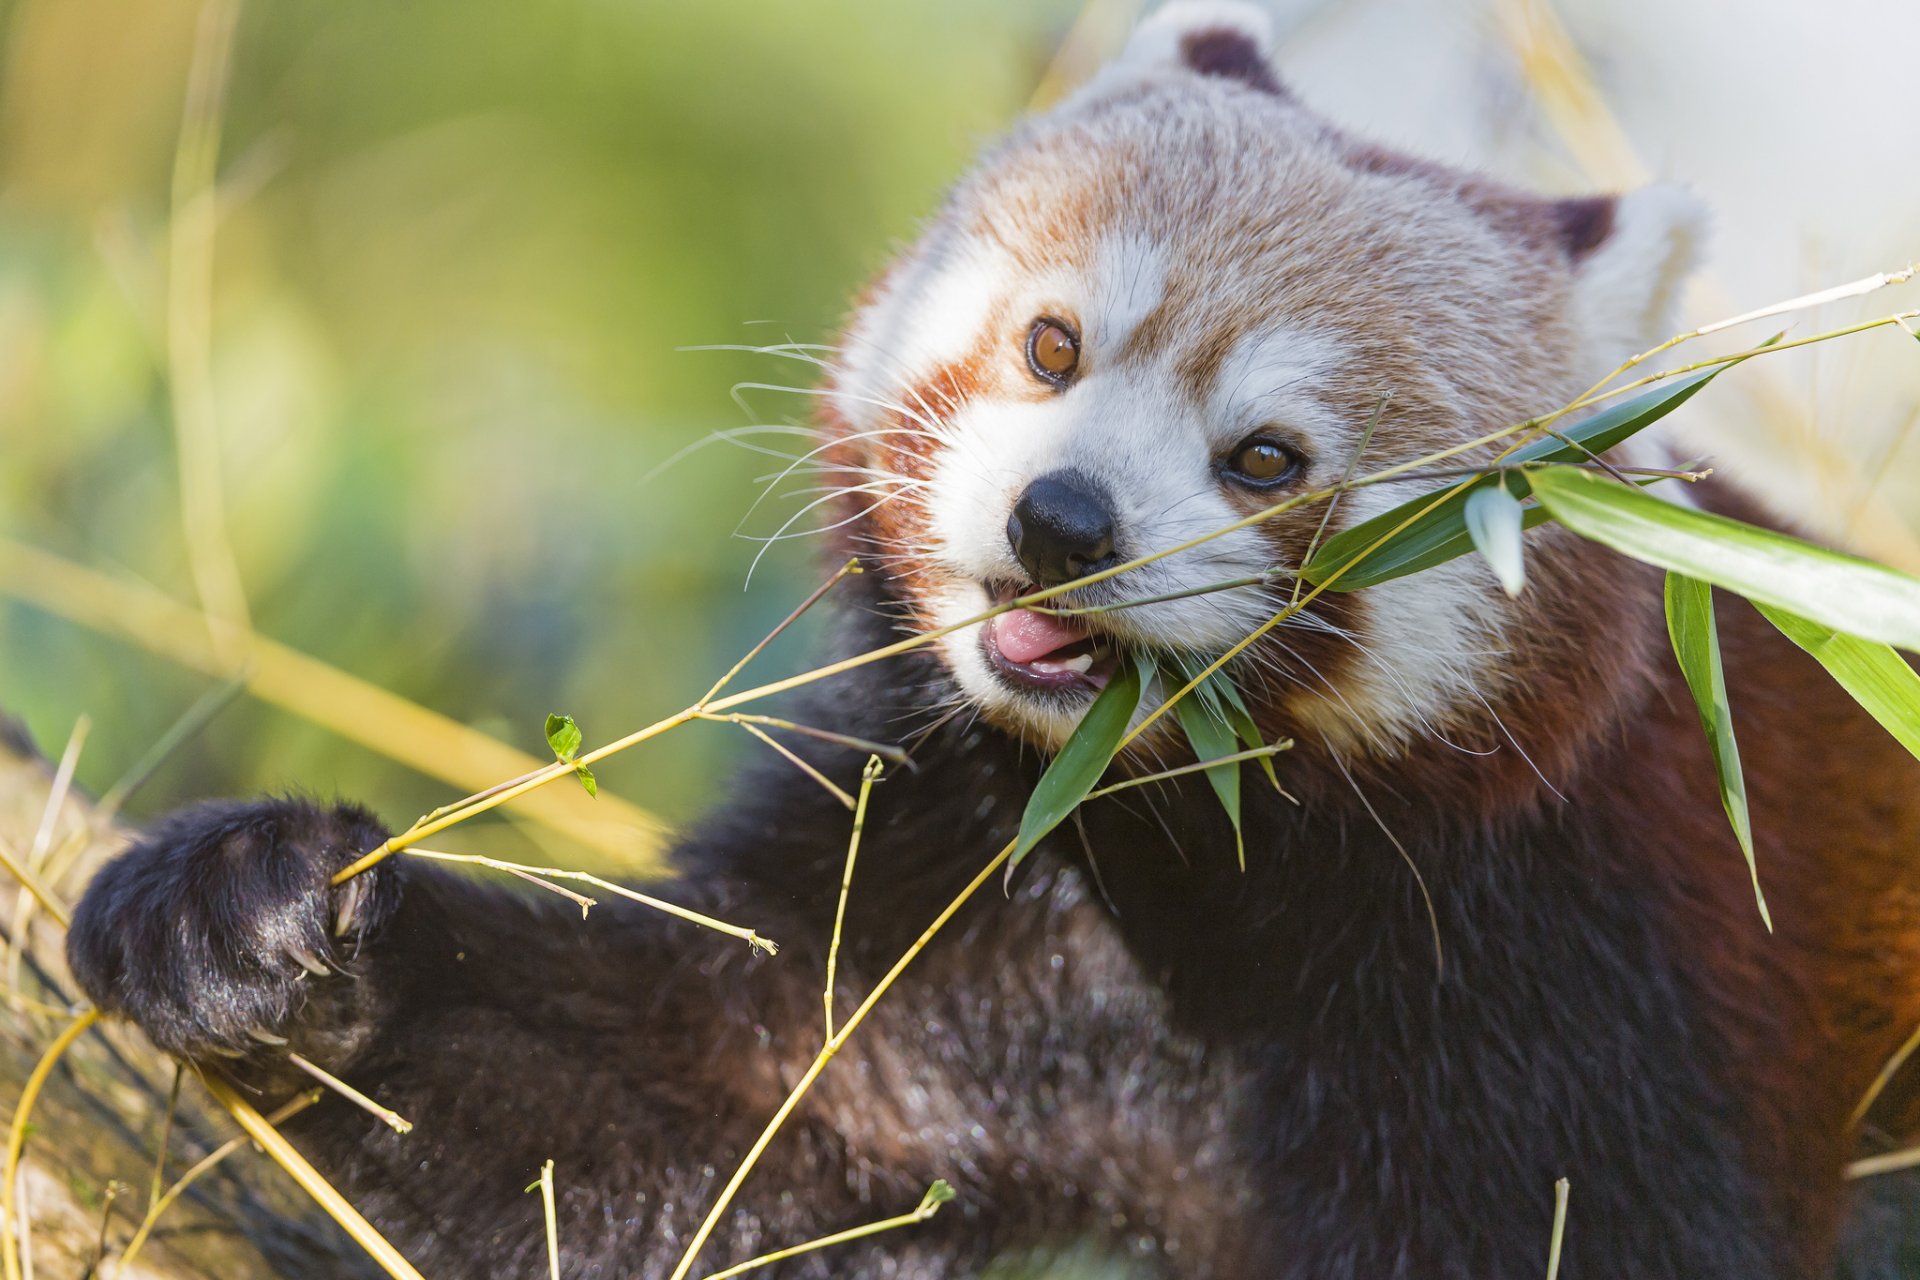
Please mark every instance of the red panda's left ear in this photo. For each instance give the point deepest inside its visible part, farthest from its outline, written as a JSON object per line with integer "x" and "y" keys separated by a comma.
{"x": 1218, "y": 38}
{"x": 1630, "y": 257}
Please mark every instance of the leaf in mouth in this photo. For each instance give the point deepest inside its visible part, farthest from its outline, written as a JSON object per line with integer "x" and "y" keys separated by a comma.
{"x": 1080, "y": 763}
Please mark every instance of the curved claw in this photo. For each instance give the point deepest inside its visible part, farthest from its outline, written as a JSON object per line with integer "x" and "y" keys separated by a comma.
{"x": 312, "y": 963}
{"x": 348, "y": 907}
{"x": 265, "y": 1036}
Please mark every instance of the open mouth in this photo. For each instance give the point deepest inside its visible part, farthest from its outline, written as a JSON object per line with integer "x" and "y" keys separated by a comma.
{"x": 1041, "y": 651}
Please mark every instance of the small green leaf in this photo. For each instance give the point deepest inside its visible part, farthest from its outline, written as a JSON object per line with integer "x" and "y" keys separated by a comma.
{"x": 1211, "y": 737}
{"x": 1437, "y": 535}
{"x": 1081, "y": 761}
{"x": 1878, "y": 678}
{"x": 1850, "y": 595}
{"x": 563, "y": 735}
{"x": 587, "y": 780}
{"x": 1494, "y": 520}
{"x": 939, "y": 1193}
{"x": 1696, "y": 643}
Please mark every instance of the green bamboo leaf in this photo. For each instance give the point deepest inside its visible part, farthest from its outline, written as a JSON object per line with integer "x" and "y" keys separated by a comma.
{"x": 1848, "y": 594}
{"x": 587, "y": 780}
{"x": 1878, "y": 678}
{"x": 1211, "y": 737}
{"x": 563, "y": 735}
{"x": 1080, "y": 763}
{"x": 1696, "y": 643}
{"x": 1435, "y": 536}
{"x": 1494, "y": 520}
{"x": 1244, "y": 727}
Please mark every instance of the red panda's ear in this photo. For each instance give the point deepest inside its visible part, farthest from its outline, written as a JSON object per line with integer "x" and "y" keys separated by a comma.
{"x": 1631, "y": 256}
{"x": 1219, "y": 38}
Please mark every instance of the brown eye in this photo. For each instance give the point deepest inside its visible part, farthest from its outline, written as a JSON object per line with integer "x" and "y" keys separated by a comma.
{"x": 1263, "y": 462}
{"x": 1053, "y": 352}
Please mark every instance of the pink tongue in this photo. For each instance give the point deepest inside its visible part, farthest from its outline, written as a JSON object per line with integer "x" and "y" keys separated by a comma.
{"x": 1023, "y": 635}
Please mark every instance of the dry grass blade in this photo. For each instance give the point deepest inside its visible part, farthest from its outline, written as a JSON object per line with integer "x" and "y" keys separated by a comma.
{"x": 194, "y": 220}
{"x": 357, "y": 711}
{"x": 10, "y": 1240}
{"x": 49, "y": 900}
{"x": 322, "y": 1191}
{"x": 36, "y": 860}
{"x": 537, "y": 874}
{"x": 162, "y": 1200}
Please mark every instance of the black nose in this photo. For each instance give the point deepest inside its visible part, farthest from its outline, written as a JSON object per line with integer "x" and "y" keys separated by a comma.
{"x": 1061, "y": 529}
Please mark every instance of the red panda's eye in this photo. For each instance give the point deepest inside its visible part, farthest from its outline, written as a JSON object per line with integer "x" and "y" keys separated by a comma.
{"x": 1053, "y": 351}
{"x": 1263, "y": 462}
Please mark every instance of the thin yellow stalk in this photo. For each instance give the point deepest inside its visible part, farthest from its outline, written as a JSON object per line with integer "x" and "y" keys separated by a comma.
{"x": 850, "y": 567}
{"x": 748, "y": 936}
{"x": 1806, "y": 302}
{"x": 881, "y": 749}
{"x": 391, "y": 1118}
{"x": 868, "y": 776}
{"x": 553, "y": 1225}
{"x": 1887, "y": 1073}
{"x": 1561, "y": 1188}
{"x": 17, "y": 1136}
{"x": 929, "y": 1205}
{"x": 166, "y": 1137}
{"x": 47, "y": 898}
{"x": 311, "y": 1182}
{"x": 1238, "y": 757}
{"x": 1892, "y": 1162}
{"x": 500, "y": 795}
{"x": 163, "y": 1201}
{"x": 825, "y": 1056}
{"x": 837, "y": 792}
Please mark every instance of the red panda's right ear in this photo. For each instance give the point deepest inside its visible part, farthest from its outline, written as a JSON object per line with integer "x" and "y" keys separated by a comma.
{"x": 1217, "y": 38}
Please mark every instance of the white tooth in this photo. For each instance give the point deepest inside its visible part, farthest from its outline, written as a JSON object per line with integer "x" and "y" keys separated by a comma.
{"x": 1079, "y": 666}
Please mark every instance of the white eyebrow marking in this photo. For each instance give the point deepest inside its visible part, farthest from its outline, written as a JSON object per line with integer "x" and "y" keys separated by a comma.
{"x": 1129, "y": 280}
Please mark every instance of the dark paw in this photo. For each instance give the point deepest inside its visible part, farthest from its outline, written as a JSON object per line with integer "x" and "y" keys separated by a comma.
{"x": 210, "y": 931}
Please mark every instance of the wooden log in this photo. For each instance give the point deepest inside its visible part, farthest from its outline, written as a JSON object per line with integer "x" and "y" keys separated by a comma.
{"x": 90, "y": 1152}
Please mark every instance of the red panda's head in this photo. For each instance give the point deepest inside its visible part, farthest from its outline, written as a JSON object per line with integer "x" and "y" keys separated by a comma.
{"x": 1172, "y": 301}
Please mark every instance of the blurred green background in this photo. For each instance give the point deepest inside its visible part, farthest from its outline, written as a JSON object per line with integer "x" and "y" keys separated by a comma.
{"x": 460, "y": 247}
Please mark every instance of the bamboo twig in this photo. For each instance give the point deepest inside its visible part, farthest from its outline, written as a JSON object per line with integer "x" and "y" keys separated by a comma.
{"x": 1892, "y": 1162}
{"x": 826, "y": 1055}
{"x": 833, "y": 789}
{"x": 746, "y": 935}
{"x": 391, "y": 1118}
{"x": 938, "y": 1194}
{"x": 322, "y": 1191}
{"x": 868, "y": 776}
{"x": 1561, "y": 1188}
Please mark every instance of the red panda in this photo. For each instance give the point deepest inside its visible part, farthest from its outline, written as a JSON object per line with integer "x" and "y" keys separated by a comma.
{"x": 1147, "y": 314}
